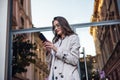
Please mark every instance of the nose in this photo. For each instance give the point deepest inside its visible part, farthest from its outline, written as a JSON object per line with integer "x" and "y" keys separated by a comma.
{"x": 56, "y": 27}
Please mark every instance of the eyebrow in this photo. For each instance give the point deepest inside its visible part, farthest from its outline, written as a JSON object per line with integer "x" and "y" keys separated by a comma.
{"x": 57, "y": 24}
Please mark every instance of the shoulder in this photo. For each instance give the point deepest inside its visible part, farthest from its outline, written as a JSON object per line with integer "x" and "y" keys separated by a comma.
{"x": 74, "y": 39}
{"x": 73, "y": 36}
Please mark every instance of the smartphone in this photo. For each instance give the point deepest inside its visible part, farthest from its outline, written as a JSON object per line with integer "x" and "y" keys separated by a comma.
{"x": 42, "y": 37}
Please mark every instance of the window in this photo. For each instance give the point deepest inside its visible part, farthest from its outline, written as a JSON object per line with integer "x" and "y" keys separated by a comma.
{"x": 22, "y": 22}
{"x": 22, "y": 2}
{"x": 118, "y": 3}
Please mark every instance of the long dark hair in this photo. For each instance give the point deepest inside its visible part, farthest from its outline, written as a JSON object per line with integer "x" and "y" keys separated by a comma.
{"x": 67, "y": 31}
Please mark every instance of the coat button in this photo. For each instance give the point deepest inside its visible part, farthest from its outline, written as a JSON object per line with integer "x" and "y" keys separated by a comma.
{"x": 55, "y": 67}
{"x": 56, "y": 78}
{"x": 61, "y": 76}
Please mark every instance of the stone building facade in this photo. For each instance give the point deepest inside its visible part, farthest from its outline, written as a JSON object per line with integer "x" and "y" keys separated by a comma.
{"x": 107, "y": 37}
{"x": 22, "y": 19}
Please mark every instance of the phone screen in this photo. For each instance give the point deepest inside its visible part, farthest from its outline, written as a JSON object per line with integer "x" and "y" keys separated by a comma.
{"x": 42, "y": 37}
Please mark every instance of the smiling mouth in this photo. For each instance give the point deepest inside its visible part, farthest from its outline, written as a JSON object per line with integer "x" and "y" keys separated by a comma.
{"x": 57, "y": 31}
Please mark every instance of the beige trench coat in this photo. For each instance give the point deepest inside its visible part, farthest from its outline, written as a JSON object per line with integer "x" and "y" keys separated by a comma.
{"x": 64, "y": 62}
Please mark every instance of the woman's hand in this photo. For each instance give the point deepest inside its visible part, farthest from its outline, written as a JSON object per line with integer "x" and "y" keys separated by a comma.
{"x": 49, "y": 45}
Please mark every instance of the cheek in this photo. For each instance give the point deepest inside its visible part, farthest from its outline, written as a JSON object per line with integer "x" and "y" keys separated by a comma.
{"x": 59, "y": 32}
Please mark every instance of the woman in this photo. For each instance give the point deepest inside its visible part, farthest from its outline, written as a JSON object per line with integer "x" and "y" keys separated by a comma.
{"x": 63, "y": 53}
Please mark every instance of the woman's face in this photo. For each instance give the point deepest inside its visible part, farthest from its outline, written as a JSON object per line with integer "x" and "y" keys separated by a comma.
{"x": 57, "y": 28}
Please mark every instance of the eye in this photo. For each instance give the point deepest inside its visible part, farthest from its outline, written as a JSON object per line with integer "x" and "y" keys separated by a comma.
{"x": 57, "y": 25}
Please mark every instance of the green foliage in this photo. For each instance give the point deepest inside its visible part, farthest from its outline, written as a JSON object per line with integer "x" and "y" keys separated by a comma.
{"x": 23, "y": 54}
{"x": 95, "y": 75}
{"x": 89, "y": 69}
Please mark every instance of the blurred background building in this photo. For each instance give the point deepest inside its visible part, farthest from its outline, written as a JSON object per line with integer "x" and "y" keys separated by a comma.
{"x": 91, "y": 66}
{"x": 106, "y": 38}
{"x": 22, "y": 19}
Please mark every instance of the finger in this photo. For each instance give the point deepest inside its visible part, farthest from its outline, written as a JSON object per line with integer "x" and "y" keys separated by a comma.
{"x": 48, "y": 41}
{"x": 48, "y": 46}
{"x": 45, "y": 43}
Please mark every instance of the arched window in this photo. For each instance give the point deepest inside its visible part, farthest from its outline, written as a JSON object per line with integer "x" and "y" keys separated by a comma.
{"x": 22, "y": 22}
{"x": 118, "y": 4}
{"x": 22, "y": 2}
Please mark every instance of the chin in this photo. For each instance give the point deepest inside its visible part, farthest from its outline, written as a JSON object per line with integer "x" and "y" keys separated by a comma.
{"x": 58, "y": 33}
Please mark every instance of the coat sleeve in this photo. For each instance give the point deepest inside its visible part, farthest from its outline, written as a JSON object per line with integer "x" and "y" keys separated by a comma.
{"x": 70, "y": 56}
{"x": 48, "y": 60}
